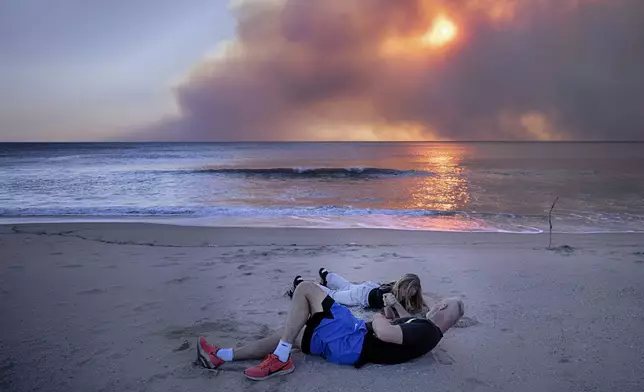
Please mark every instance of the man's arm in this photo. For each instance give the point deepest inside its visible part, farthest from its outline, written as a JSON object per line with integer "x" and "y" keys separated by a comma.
{"x": 394, "y": 307}
{"x": 402, "y": 312}
{"x": 385, "y": 331}
{"x": 389, "y": 313}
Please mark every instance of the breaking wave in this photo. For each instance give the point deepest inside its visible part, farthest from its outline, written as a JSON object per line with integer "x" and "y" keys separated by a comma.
{"x": 318, "y": 172}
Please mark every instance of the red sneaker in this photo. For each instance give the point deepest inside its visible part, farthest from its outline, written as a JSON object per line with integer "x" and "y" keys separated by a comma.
{"x": 207, "y": 354}
{"x": 270, "y": 366}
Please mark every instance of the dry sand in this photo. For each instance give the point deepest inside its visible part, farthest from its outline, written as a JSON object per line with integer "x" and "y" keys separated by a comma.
{"x": 116, "y": 307}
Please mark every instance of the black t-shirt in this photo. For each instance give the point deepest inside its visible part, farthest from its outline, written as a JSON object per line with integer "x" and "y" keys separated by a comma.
{"x": 420, "y": 336}
{"x": 375, "y": 296}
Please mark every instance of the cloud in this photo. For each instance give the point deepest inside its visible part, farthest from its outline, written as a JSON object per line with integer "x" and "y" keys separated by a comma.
{"x": 359, "y": 70}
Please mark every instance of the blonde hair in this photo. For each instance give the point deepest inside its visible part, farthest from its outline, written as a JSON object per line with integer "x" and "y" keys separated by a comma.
{"x": 402, "y": 289}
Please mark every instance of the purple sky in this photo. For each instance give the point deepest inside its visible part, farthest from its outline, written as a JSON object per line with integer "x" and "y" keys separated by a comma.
{"x": 91, "y": 70}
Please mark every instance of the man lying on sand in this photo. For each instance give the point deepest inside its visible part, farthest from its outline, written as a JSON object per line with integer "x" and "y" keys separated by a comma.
{"x": 407, "y": 290}
{"x": 319, "y": 326}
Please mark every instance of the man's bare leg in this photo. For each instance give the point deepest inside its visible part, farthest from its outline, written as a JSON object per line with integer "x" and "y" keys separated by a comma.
{"x": 307, "y": 300}
{"x": 261, "y": 348}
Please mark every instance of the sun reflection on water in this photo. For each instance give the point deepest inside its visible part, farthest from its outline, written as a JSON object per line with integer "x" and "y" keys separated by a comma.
{"x": 446, "y": 190}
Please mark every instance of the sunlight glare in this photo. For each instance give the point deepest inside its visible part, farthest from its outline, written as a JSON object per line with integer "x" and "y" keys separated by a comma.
{"x": 442, "y": 31}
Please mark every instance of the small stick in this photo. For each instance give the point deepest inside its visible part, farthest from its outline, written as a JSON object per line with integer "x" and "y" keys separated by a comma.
{"x": 550, "y": 221}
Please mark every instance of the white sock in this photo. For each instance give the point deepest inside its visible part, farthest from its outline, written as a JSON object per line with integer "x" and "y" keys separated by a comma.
{"x": 283, "y": 351}
{"x": 226, "y": 354}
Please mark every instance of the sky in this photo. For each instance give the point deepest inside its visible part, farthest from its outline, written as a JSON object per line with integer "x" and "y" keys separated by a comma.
{"x": 273, "y": 70}
{"x": 97, "y": 69}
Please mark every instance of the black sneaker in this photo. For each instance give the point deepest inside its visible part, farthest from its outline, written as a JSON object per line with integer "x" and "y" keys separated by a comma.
{"x": 323, "y": 273}
{"x": 298, "y": 279}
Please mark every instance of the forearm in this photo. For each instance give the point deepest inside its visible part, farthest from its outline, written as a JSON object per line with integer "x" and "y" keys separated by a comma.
{"x": 400, "y": 311}
{"x": 385, "y": 331}
{"x": 389, "y": 313}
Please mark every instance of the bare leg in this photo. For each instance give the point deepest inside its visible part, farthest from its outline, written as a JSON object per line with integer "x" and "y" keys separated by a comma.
{"x": 307, "y": 300}
{"x": 261, "y": 348}
{"x": 258, "y": 349}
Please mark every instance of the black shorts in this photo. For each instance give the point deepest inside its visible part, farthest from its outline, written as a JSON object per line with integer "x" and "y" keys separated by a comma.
{"x": 420, "y": 336}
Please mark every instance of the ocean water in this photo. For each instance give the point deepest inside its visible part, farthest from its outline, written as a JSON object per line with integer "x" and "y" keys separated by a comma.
{"x": 505, "y": 187}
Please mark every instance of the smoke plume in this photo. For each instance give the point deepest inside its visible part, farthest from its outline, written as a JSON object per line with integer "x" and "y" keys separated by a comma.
{"x": 366, "y": 70}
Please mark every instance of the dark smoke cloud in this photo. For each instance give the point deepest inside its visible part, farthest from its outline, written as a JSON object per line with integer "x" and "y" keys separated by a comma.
{"x": 314, "y": 69}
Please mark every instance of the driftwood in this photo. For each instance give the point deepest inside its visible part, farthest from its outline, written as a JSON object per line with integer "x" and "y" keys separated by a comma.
{"x": 550, "y": 221}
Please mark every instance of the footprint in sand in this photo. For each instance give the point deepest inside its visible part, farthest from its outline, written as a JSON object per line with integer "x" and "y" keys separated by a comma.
{"x": 163, "y": 265}
{"x": 443, "y": 357}
{"x": 564, "y": 250}
{"x": 6, "y": 367}
{"x": 184, "y": 346}
{"x": 16, "y": 267}
{"x": 146, "y": 306}
{"x": 91, "y": 292}
{"x": 199, "y": 329}
{"x": 475, "y": 382}
{"x": 395, "y": 255}
{"x": 466, "y": 322}
{"x": 115, "y": 356}
{"x": 71, "y": 266}
{"x": 179, "y": 280}
{"x": 244, "y": 267}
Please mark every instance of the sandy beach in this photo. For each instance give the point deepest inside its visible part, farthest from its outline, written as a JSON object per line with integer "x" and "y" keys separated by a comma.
{"x": 117, "y": 307}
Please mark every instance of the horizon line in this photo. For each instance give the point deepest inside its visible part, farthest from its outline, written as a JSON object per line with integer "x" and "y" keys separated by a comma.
{"x": 319, "y": 141}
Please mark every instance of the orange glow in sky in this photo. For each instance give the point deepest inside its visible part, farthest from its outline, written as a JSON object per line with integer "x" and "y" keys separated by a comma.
{"x": 442, "y": 32}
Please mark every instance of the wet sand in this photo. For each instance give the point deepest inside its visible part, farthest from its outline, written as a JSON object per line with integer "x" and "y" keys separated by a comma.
{"x": 117, "y": 307}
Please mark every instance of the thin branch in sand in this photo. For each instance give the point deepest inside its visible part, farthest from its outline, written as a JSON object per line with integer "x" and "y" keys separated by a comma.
{"x": 550, "y": 222}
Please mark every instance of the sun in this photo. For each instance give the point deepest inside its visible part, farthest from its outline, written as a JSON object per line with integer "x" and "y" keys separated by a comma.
{"x": 442, "y": 31}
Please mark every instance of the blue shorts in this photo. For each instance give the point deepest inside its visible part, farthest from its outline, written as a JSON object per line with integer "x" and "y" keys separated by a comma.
{"x": 334, "y": 334}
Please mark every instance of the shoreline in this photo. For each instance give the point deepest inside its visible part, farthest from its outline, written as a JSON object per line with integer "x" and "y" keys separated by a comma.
{"x": 202, "y": 236}
{"x": 271, "y": 223}
{"x": 119, "y": 306}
